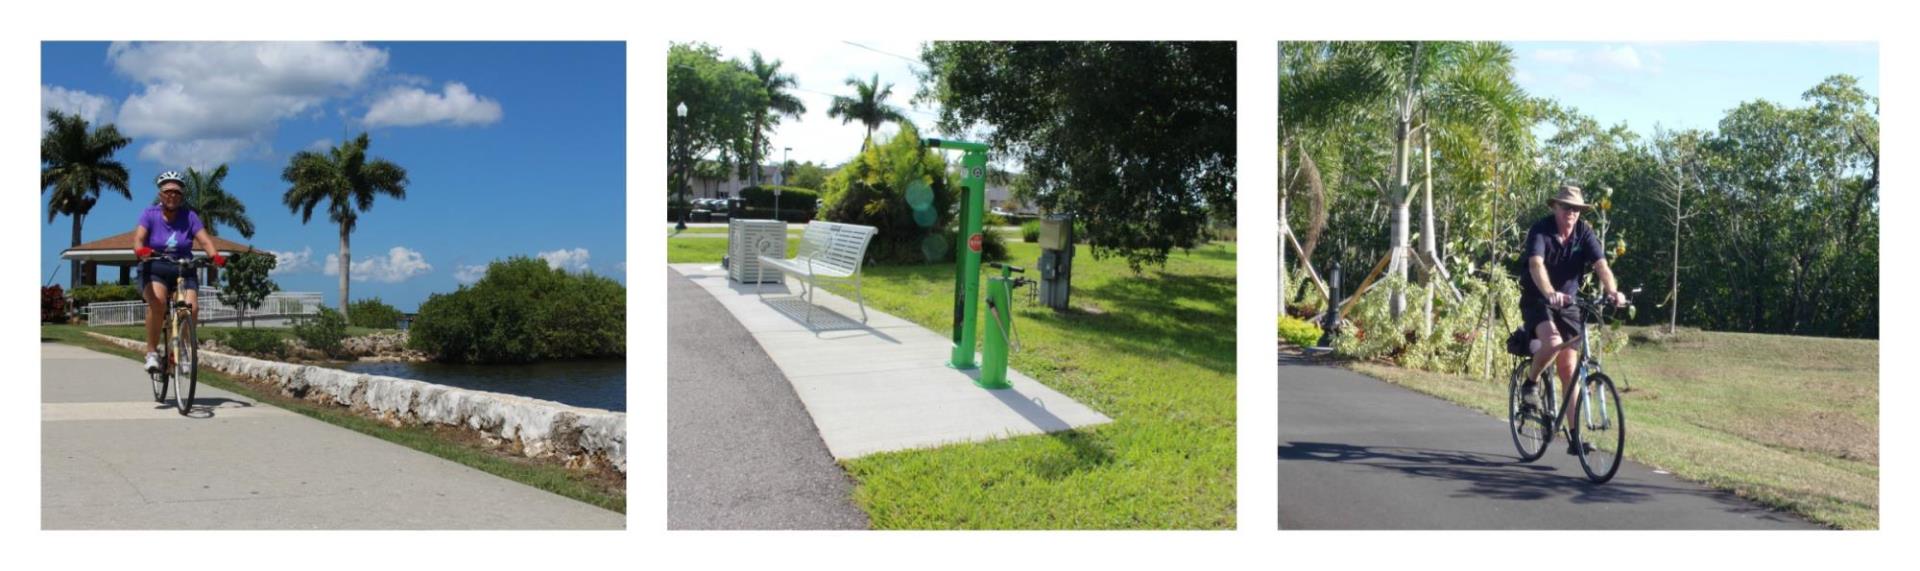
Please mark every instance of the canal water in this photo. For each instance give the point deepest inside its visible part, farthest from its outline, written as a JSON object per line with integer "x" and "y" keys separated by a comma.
{"x": 600, "y": 383}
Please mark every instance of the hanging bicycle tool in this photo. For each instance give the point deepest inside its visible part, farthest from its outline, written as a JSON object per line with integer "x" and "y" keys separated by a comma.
{"x": 993, "y": 353}
{"x": 966, "y": 275}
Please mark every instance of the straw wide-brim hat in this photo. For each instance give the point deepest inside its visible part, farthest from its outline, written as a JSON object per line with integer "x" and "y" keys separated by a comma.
{"x": 1570, "y": 196}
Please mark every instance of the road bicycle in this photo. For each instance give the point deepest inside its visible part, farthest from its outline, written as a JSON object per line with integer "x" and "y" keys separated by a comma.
{"x": 179, "y": 348}
{"x": 1598, "y": 433}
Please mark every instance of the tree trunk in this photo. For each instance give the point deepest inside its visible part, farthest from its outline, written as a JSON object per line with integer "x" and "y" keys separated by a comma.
{"x": 346, "y": 266}
{"x": 1427, "y": 250}
{"x": 1400, "y": 195}
{"x": 1285, "y": 183}
{"x": 1673, "y": 294}
{"x": 73, "y": 278}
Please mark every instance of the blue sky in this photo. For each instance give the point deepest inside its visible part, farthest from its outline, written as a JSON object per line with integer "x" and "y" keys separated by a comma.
{"x": 510, "y": 148}
{"x": 1684, "y": 85}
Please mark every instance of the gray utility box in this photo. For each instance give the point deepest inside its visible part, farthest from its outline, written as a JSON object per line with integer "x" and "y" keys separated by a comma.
{"x": 1056, "y": 261}
{"x": 747, "y": 240}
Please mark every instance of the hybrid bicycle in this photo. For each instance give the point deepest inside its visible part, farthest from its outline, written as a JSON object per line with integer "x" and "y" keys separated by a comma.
{"x": 1598, "y": 431}
{"x": 179, "y": 347}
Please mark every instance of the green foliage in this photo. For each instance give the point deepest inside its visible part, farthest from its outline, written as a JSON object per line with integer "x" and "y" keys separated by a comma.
{"x": 724, "y": 100}
{"x": 322, "y": 332}
{"x": 791, "y": 197}
{"x": 1298, "y": 332}
{"x": 1030, "y": 231}
{"x": 209, "y": 198}
{"x": 259, "y": 342}
{"x": 374, "y": 314}
{"x": 85, "y": 295}
{"x": 524, "y": 311}
{"x": 868, "y": 105}
{"x": 1135, "y": 138}
{"x": 871, "y": 190}
{"x": 76, "y": 163}
{"x": 1777, "y": 207}
{"x": 245, "y": 283}
{"x": 347, "y": 180}
{"x": 808, "y": 175}
{"x": 1468, "y": 335}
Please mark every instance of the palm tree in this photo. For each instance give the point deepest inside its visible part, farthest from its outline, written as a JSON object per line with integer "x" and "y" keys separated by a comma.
{"x": 215, "y": 206}
{"x": 779, "y": 102}
{"x": 348, "y": 181}
{"x": 868, "y": 106}
{"x": 75, "y": 163}
{"x": 1423, "y": 87}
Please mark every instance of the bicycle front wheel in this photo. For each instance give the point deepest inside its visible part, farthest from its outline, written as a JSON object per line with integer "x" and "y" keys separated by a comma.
{"x": 1529, "y": 414}
{"x": 159, "y": 377}
{"x": 1601, "y": 431}
{"x": 186, "y": 376}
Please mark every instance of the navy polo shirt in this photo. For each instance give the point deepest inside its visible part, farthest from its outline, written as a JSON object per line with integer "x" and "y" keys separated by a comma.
{"x": 1566, "y": 263}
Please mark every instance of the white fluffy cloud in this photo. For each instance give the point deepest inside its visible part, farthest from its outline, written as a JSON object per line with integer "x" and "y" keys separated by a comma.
{"x": 1582, "y": 68}
{"x": 466, "y": 274}
{"x": 291, "y": 262}
{"x": 574, "y": 260}
{"x": 409, "y": 106}
{"x": 400, "y": 264}
{"x": 96, "y": 109}
{"x": 204, "y": 103}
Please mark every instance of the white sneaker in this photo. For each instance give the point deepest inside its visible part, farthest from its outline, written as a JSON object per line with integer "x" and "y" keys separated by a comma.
{"x": 153, "y": 363}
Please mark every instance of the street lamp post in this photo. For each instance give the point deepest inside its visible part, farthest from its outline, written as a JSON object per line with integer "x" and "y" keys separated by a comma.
{"x": 686, "y": 174}
{"x": 783, "y": 181}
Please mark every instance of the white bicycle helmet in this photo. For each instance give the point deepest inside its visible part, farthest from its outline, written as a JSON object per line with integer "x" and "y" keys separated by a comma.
{"x": 169, "y": 176}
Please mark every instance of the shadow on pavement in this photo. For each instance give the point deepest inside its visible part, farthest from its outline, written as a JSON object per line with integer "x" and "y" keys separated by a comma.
{"x": 1492, "y": 476}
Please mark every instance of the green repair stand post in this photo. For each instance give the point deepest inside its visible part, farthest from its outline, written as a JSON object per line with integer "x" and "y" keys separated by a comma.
{"x": 966, "y": 287}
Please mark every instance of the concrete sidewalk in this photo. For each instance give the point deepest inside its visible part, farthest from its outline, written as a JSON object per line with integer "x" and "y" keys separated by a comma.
{"x": 111, "y": 458}
{"x": 883, "y": 385}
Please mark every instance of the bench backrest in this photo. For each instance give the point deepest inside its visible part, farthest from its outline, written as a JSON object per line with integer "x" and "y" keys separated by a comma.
{"x": 836, "y": 246}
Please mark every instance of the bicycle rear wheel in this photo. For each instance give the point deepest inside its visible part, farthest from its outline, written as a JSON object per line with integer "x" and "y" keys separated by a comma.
{"x": 1529, "y": 414}
{"x": 1601, "y": 431}
{"x": 159, "y": 377}
{"x": 187, "y": 366}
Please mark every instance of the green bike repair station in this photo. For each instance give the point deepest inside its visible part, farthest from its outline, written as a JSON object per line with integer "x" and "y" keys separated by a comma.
{"x": 1057, "y": 248}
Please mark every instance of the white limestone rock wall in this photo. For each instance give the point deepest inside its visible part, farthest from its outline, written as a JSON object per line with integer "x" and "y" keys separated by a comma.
{"x": 582, "y": 437}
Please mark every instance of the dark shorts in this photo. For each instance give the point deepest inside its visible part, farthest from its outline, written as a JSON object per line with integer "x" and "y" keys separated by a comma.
{"x": 1565, "y": 319}
{"x": 164, "y": 272}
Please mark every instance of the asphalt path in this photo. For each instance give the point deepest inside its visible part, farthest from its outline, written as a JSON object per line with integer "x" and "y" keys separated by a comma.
{"x": 1360, "y": 453}
{"x": 111, "y": 458}
{"x": 742, "y": 452}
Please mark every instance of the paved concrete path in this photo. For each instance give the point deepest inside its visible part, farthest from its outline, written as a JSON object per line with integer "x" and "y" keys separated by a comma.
{"x": 883, "y": 385}
{"x": 741, "y": 451}
{"x": 1360, "y": 453}
{"x": 111, "y": 458}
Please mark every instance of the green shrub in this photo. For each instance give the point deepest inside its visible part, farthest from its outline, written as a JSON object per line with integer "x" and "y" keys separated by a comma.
{"x": 373, "y": 314}
{"x": 791, "y": 197}
{"x": 322, "y": 332}
{"x": 524, "y": 311}
{"x": 1030, "y": 231}
{"x": 262, "y": 342}
{"x": 871, "y": 190}
{"x": 84, "y": 295}
{"x": 1466, "y": 337}
{"x": 1298, "y": 332}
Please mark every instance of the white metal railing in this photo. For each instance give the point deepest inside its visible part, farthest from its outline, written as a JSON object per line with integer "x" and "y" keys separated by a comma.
{"x": 211, "y": 309}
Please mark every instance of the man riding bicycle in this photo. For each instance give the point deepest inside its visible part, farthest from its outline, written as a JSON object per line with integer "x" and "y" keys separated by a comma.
{"x": 169, "y": 229}
{"x": 1560, "y": 249}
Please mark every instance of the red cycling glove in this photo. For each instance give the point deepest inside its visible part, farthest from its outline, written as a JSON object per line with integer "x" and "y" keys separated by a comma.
{"x": 143, "y": 251}
{"x": 219, "y": 260}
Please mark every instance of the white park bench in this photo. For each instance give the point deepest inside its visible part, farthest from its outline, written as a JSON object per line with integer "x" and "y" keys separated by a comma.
{"x": 827, "y": 250}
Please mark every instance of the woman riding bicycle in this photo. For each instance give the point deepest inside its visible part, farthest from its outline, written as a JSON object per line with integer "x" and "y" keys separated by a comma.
{"x": 1560, "y": 249}
{"x": 169, "y": 229}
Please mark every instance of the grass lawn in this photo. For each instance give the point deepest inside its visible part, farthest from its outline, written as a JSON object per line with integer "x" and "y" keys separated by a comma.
{"x": 1791, "y": 422}
{"x": 1155, "y": 352}
{"x": 139, "y": 333}
{"x": 450, "y": 443}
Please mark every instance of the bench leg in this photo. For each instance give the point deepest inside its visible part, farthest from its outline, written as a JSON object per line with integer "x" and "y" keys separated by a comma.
{"x": 810, "y": 286}
{"x": 859, "y": 298}
{"x": 760, "y": 280}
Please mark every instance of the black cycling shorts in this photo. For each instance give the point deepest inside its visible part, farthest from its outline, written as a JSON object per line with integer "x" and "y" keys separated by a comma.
{"x": 165, "y": 271}
{"x": 1565, "y": 319}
